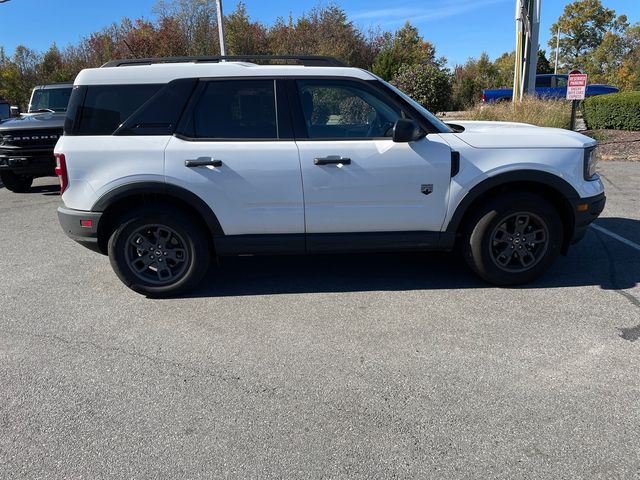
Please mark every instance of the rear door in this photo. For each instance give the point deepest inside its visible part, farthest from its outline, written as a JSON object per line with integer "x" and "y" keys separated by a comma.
{"x": 236, "y": 151}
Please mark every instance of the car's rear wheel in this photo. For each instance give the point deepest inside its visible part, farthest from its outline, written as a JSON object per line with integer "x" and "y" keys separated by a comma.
{"x": 16, "y": 183}
{"x": 513, "y": 239}
{"x": 159, "y": 252}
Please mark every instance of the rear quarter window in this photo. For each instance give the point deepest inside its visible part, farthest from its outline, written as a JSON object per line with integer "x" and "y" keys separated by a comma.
{"x": 101, "y": 109}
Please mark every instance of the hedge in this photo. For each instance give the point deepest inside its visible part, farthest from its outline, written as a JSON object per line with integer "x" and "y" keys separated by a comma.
{"x": 620, "y": 111}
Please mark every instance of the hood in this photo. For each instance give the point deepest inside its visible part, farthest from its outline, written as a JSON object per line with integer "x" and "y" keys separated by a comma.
{"x": 33, "y": 122}
{"x": 519, "y": 135}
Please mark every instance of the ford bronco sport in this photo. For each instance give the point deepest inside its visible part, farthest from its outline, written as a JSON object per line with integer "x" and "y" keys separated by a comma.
{"x": 167, "y": 162}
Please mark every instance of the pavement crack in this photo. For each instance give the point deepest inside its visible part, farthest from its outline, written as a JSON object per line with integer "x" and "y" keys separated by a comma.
{"x": 631, "y": 333}
{"x": 156, "y": 361}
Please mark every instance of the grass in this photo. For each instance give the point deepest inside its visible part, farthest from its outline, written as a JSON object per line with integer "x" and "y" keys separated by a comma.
{"x": 536, "y": 111}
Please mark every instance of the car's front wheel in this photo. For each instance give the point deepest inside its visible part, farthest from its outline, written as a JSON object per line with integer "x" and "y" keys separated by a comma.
{"x": 16, "y": 183}
{"x": 513, "y": 239}
{"x": 159, "y": 252}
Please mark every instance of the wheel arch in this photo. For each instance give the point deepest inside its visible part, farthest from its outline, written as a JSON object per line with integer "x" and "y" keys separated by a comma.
{"x": 121, "y": 199}
{"x": 553, "y": 188}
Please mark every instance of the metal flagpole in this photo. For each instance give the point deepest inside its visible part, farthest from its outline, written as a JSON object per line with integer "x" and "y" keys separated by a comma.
{"x": 555, "y": 65}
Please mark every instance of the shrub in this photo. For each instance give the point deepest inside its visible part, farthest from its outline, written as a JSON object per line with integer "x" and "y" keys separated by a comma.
{"x": 428, "y": 85}
{"x": 535, "y": 111}
{"x": 620, "y": 111}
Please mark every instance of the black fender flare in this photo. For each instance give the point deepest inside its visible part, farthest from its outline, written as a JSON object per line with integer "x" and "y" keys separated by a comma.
{"x": 545, "y": 179}
{"x": 164, "y": 189}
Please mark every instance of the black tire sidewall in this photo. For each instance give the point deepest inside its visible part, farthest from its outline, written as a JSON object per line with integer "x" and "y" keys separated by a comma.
{"x": 195, "y": 243}
{"x": 477, "y": 239}
{"x": 16, "y": 183}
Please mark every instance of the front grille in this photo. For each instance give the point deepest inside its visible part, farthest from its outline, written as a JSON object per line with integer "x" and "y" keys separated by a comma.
{"x": 24, "y": 139}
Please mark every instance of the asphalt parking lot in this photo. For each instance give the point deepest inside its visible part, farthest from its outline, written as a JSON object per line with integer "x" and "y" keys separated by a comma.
{"x": 362, "y": 366}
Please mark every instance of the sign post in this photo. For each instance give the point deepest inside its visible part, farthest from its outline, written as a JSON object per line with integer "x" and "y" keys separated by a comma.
{"x": 576, "y": 87}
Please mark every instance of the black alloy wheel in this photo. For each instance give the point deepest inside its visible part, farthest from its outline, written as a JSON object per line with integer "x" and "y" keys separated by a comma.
{"x": 159, "y": 251}
{"x": 512, "y": 238}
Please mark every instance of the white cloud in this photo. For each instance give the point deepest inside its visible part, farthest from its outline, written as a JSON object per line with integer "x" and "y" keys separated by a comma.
{"x": 439, "y": 11}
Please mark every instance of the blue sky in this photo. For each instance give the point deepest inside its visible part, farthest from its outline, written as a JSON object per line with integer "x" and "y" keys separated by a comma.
{"x": 458, "y": 28}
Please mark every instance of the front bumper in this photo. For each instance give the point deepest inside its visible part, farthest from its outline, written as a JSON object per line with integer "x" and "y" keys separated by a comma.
{"x": 81, "y": 226}
{"x": 36, "y": 166}
{"x": 585, "y": 211}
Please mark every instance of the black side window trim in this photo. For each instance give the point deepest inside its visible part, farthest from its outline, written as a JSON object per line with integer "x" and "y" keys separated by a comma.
{"x": 283, "y": 119}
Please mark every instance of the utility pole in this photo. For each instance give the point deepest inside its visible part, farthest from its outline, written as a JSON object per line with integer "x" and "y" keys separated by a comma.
{"x": 223, "y": 48}
{"x": 527, "y": 32}
{"x": 532, "y": 53}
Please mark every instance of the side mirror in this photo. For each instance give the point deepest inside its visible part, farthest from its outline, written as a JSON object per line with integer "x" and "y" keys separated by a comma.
{"x": 15, "y": 111}
{"x": 406, "y": 130}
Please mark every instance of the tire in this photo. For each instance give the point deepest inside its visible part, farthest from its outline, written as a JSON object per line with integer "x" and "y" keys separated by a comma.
{"x": 16, "y": 183}
{"x": 513, "y": 239}
{"x": 159, "y": 252}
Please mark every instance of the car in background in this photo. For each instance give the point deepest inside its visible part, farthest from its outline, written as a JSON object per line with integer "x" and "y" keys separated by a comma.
{"x": 548, "y": 85}
{"x": 53, "y": 97}
{"x": 26, "y": 143}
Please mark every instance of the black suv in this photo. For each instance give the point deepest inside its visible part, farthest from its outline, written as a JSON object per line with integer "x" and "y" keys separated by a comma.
{"x": 26, "y": 143}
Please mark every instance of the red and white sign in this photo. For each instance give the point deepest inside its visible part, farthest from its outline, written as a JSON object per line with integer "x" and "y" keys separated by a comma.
{"x": 577, "y": 85}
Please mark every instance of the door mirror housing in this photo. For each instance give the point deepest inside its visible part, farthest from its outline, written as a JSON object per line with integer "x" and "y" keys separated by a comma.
{"x": 406, "y": 130}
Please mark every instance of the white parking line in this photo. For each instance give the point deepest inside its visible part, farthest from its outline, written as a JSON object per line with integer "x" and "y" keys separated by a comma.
{"x": 616, "y": 236}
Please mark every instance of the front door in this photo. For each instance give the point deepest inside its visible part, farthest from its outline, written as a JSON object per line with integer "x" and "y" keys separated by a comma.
{"x": 355, "y": 178}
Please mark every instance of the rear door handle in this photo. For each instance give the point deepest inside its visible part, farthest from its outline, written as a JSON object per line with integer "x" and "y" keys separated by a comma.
{"x": 332, "y": 160}
{"x": 202, "y": 162}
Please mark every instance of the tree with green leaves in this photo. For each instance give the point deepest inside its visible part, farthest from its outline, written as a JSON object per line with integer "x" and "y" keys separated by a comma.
{"x": 427, "y": 84}
{"x": 583, "y": 25}
{"x": 405, "y": 47}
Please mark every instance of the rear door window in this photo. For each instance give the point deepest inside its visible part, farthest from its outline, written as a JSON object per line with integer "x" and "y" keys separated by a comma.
{"x": 235, "y": 109}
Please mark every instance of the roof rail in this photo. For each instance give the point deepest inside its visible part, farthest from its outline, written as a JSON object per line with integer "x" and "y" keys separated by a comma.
{"x": 306, "y": 60}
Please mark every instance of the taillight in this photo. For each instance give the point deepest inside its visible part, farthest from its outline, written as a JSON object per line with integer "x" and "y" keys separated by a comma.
{"x": 61, "y": 171}
{"x": 484, "y": 97}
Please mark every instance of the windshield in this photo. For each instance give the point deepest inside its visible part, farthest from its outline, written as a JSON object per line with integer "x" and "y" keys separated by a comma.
{"x": 439, "y": 124}
{"x": 5, "y": 111}
{"x": 55, "y": 99}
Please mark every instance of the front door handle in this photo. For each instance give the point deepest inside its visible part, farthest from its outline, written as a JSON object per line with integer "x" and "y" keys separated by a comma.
{"x": 202, "y": 162}
{"x": 332, "y": 160}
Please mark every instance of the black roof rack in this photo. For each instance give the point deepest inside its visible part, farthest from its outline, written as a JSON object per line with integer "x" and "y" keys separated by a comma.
{"x": 306, "y": 60}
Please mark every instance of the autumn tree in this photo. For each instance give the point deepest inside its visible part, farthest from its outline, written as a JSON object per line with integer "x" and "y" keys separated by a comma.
{"x": 324, "y": 31}
{"x": 197, "y": 20}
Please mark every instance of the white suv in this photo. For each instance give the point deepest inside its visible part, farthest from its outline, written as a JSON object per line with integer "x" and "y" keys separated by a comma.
{"x": 166, "y": 162}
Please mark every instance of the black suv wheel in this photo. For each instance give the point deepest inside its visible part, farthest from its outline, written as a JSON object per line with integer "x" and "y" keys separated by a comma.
{"x": 513, "y": 239}
{"x": 159, "y": 252}
{"x": 16, "y": 183}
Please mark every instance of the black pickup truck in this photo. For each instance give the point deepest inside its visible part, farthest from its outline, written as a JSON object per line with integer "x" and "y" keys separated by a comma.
{"x": 26, "y": 143}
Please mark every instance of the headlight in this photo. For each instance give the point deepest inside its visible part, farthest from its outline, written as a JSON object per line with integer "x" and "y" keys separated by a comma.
{"x": 590, "y": 163}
